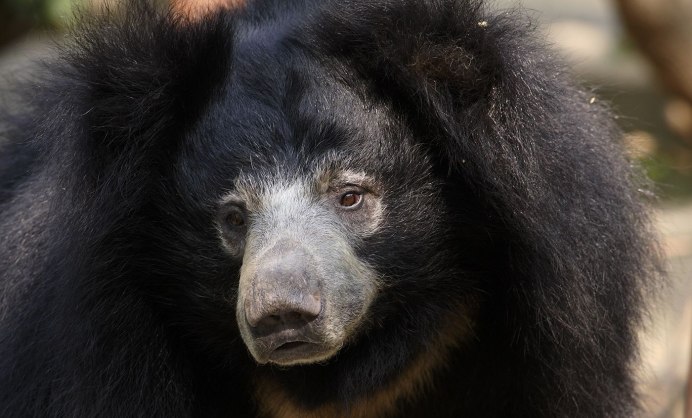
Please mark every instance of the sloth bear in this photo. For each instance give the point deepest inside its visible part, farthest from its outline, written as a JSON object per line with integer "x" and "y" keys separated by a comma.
{"x": 317, "y": 209}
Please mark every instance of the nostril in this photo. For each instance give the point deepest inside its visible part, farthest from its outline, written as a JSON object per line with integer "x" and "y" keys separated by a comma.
{"x": 284, "y": 319}
{"x": 271, "y": 309}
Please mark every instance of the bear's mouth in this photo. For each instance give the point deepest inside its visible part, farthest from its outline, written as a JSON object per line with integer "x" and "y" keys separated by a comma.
{"x": 292, "y": 347}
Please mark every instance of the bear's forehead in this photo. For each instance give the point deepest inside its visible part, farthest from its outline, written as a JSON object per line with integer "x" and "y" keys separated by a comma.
{"x": 276, "y": 77}
{"x": 294, "y": 114}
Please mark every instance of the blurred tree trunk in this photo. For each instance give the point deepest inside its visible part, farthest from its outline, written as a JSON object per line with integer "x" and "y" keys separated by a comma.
{"x": 12, "y": 24}
{"x": 663, "y": 31}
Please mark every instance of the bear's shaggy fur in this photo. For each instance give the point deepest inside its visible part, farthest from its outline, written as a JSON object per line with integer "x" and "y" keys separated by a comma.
{"x": 510, "y": 252}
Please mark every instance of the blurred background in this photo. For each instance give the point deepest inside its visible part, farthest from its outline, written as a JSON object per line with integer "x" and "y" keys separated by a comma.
{"x": 635, "y": 55}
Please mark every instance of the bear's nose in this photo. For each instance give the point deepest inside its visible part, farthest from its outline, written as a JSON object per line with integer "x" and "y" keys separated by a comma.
{"x": 285, "y": 292}
{"x": 283, "y": 314}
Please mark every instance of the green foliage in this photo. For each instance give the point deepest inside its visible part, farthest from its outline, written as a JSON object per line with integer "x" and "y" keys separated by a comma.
{"x": 670, "y": 183}
{"x": 45, "y": 13}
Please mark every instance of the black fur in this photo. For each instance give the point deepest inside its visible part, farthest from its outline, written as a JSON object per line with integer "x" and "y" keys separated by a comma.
{"x": 509, "y": 194}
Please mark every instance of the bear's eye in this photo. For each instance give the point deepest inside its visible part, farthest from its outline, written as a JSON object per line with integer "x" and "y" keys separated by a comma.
{"x": 235, "y": 218}
{"x": 351, "y": 200}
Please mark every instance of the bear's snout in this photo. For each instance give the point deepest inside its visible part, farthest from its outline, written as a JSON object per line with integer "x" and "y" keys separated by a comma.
{"x": 285, "y": 303}
{"x": 285, "y": 291}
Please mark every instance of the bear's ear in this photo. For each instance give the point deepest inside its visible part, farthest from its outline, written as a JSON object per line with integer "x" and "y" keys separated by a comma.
{"x": 139, "y": 78}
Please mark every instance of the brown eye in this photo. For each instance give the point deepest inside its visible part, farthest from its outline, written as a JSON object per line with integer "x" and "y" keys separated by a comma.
{"x": 351, "y": 200}
{"x": 235, "y": 219}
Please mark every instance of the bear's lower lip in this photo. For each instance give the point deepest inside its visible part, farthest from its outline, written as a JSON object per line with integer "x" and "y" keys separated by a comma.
{"x": 298, "y": 352}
